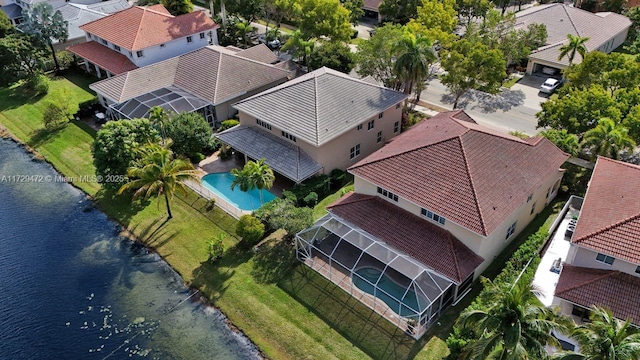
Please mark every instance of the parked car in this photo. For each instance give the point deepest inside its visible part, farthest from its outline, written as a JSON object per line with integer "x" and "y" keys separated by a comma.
{"x": 550, "y": 85}
{"x": 272, "y": 44}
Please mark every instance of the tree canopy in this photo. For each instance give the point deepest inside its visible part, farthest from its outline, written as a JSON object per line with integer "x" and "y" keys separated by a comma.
{"x": 376, "y": 57}
{"x": 399, "y": 11}
{"x": 178, "y": 7}
{"x": 318, "y": 18}
{"x": 472, "y": 65}
{"x": 190, "y": 132}
{"x": 415, "y": 55}
{"x": 334, "y": 55}
{"x": 436, "y": 20}
{"x": 5, "y": 25}
{"x": 21, "y": 57}
{"x": 608, "y": 139}
{"x": 116, "y": 144}
{"x": 46, "y": 25}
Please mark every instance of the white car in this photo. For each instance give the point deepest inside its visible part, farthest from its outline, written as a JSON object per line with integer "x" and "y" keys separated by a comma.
{"x": 550, "y": 85}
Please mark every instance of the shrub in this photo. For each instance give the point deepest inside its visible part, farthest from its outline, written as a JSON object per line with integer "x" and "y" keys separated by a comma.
{"x": 338, "y": 179}
{"x": 311, "y": 199}
{"x": 65, "y": 59}
{"x": 250, "y": 229}
{"x": 215, "y": 248}
{"x": 321, "y": 185}
{"x": 54, "y": 115}
{"x": 225, "y": 152}
{"x": 38, "y": 84}
{"x": 87, "y": 108}
{"x": 228, "y": 124}
{"x": 283, "y": 214}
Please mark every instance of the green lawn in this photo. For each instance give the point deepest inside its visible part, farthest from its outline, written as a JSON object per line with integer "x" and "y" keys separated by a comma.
{"x": 289, "y": 311}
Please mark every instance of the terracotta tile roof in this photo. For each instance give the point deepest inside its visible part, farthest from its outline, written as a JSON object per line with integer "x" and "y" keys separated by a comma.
{"x": 108, "y": 59}
{"x": 465, "y": 172}
{"x": 609, "y": 220}
{"x": 612, "y": 289}
{"x": 137, "y": 28}
{"x": 209, "y": 73}
{"x": 428, "y": 243}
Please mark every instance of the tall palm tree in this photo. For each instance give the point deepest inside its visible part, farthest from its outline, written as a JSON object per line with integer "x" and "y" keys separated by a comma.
{"x": 158, "y": 117}
{"x": 158, "y": 173}
{"x": 608, "y": 139}
{"x": 575, "y": 45}
{"x": 416, "y": 53}
{"x": 516, "y": 326}
{"x": 605, "y": 338}
{"x": 301, "y": 47}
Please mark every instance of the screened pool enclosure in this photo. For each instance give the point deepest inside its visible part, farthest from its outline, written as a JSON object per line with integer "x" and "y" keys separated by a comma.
{"x": 401, "y": 289}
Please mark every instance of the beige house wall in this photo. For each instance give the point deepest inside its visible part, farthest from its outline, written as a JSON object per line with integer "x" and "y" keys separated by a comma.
{"x": 335, "y": 153}
{"x": 580, "y": 256}
{"x": 490, "y": 246}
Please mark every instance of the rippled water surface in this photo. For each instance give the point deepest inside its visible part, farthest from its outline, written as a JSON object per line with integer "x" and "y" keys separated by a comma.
{"x": 72, "y": 288}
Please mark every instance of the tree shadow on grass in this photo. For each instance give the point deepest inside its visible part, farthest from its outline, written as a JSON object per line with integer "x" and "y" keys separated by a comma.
{"x": 365, "y": 328}
{"x": 273, "y": 260}
{"x": 211, "y": 278}
{"x": 120, "y": 207}
{"x": 154, "y": 235}
{"x": 43, "y": 136}
{"x": 15, "y": 97}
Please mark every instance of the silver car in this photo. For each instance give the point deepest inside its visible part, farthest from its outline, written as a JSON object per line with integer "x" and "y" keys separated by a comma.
{"x": 550, "y": 85}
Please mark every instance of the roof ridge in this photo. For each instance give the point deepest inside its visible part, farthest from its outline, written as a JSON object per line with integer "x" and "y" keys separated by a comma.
{"x": 135, "y": 39}
{"x": 455, "y": 254}
{"x": 609, "y": 273}
{"x": 490, "y": 132}
{"x": 607, "y": 228}
{"x": 473, "y": 187}
{"x": 315, "y": 110}
{"x": 215, "y": 85}
{"x": 571, "y": 19}
{"x": 362, "y": 197}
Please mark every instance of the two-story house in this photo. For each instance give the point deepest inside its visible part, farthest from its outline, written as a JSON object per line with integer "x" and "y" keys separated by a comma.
{"x": 208, "y": 81}
{"x": 140, "y": 36}
{"x": 316, "y": 123}
{"x": 431, "y": 210}
{"x": 602, "y": 266}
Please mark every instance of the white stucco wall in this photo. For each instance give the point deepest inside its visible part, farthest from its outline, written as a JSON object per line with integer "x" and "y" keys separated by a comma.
{"x": 580, "y": 256}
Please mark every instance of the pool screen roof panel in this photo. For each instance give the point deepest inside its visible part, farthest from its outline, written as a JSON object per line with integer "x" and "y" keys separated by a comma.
{"x": 172, "y": 99}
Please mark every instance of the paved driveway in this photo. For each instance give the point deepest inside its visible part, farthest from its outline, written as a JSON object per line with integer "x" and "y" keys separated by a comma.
{"x": 529, "y": 85}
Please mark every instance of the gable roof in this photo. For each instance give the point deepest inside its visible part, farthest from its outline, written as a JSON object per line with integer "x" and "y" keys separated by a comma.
{"x": 428, "y": 243}
{"x": 561, "y": 20}
{"x": 612, "y": 289}
{"x": 13, "y": 11}
{"x": 463, "y": 171}
{"x": 609, "y": 220}
{"x": 209, "y": 73}
{"x": 321, "y": 105}
{"x": 138, "y": 27}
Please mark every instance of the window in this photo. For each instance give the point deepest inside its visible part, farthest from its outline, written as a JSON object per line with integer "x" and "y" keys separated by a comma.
{"x": 530, "y": 197}
{"x": 201, "y": 35}
{"x": 396, "y": 126}
{"x": 89, "y": 35}
{"x": 398, "y": 106}
{"x": 263, "y": 124}
{"x": 104, "y": 42}
{"x": 638, "y": 269}
{"x": 387, "y": 194}
{"x": 371, "y": 124}
{"x": 289, "y": 136}
{"x": 161, "y": 45}
{"x": 580, "y": 312}
{"x": 189, "y": 39}
{"x": 379, "y": 139}
{"x": 511, "y": 230}
{"x": 380, "y": 115}
{"x": 605, "y": 259}
{"x": 130, "y": 54}
{"x": 359, "y": 127}
{"x": 139, "y": 53}
{"x": 432, "y": 216}
{"x": 548, "y": 192}
{"x": 533, "y": 208}
{"x": 355, "y": 151}
{"x": 116, "y": 47}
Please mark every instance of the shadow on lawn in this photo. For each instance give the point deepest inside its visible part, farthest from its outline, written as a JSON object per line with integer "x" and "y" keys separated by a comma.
{"x": 15, "y": 97}
{"x": 211, "y": 278}
{"x": 120, "y": 207}
{"x": 367, "y": 330}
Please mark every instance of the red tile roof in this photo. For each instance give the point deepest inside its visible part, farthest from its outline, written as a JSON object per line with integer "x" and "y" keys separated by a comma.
{"x": 108, "y": 59}
{"x": 428, "y": 243}
{"x": 609, "y": 220}
{"x": 465, "y": 172}
{"x": 138, "y": 27}
{"x": 614, "y": 290}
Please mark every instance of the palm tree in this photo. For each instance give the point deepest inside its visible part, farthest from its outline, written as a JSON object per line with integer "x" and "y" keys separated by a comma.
{"x": 566, "y": 141}
{"x": 243, "y": 29}
{"x": 300, "y": 47}
{"x": 46, "y": 25}
{"x": 158, "y": 173}
{"x": 605, "y": 338}
{"x": 516, "y": 326}
{"x": 608, "y": 139}
{"x": 254, "y": 175}
{"x": 416, "y": 54}
{"x": 158, "y": 117}
{"x": 575, "y": 45}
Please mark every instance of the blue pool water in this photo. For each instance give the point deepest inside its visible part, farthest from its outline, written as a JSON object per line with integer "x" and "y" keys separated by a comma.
{"x": 220, "y": 184}
{"x": 372, "y": 274}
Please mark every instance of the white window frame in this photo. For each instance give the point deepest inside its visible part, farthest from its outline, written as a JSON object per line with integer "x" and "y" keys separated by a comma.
{"x": 354, "y": 152}
{"x": 511, "y": 230}
{"x": 604, "y": 257}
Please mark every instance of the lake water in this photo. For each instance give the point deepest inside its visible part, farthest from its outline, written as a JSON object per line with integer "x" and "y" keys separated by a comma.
{"x": 72, "y": 288}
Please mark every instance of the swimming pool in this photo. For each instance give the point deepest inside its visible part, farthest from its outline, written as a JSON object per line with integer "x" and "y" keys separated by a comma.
{"x": 220, "y": 184}
{"x": 372, "y": 274}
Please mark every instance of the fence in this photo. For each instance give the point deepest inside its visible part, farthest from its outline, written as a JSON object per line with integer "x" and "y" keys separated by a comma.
{"x": 220, "y": 202}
